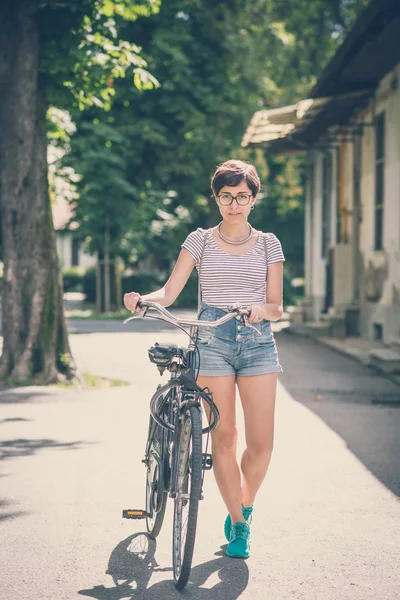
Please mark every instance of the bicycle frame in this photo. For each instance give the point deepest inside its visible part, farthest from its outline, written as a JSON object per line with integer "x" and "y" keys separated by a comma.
{"x": 175, "y": 408}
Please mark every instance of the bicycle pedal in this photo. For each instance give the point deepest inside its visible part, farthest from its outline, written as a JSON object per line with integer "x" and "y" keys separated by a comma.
{"x": 134, "y": 514}
{"x": 206, "y": 461}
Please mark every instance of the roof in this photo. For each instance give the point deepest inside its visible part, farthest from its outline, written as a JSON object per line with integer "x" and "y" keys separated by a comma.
{"x": 370, "y": 50}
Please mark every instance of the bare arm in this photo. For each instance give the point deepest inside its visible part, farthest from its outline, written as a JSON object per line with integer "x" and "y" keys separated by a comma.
{"x": 272, "y": 309}
{"x": 171, "y": 290}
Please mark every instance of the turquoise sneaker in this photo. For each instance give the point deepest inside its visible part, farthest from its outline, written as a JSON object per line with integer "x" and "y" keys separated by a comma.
{"x": 239, "y": 541}
{"x": 247, "y": 514}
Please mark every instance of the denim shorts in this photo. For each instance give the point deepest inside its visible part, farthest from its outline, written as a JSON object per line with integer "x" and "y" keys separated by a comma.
{"x": 233, "y": 348}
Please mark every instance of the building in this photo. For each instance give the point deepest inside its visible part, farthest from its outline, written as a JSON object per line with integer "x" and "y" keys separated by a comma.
{"x": 349, "y": 130}
{"x": 69, "y": 248}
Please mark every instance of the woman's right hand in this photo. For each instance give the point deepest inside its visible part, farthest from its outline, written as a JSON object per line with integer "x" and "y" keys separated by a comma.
{"x": 131, "y": 300}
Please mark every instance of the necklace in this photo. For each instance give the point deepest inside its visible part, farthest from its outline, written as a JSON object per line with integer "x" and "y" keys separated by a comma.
{"x": 232, "y": 241}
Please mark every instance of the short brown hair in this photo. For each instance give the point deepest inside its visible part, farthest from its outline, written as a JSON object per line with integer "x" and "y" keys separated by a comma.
{"x": 233, "y": 173}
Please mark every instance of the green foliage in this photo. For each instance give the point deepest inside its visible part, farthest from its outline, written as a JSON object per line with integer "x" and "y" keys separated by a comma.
{"x": 62, "y": 178}
{"x": 304, "y": 37}
{"x": 73, "y": 279}
{"x": 188, "y": 296}
{"x": 217, "y": 62}
{"x": 142, "y": 282}
{"x": 105, "y": 206}
{"x": 290, "y": 294}
{"x": 82, "y": 53}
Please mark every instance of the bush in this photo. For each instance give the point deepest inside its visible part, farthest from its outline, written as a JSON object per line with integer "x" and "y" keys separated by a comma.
{"x": 291, "y": 295}
{"x": 148, "y": 281}
{"x": 89, "y": 287}
{"x": 73, "y": 279}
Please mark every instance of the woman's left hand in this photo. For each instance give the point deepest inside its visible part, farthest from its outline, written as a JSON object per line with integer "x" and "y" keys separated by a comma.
{"x": 257, "y": 312}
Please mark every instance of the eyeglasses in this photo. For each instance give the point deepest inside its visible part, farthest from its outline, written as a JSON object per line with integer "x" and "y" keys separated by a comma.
{"x": 227, "y": 199}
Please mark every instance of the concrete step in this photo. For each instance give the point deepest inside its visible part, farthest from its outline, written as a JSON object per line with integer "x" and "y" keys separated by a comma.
{"x": 337, "y": 324}
{"x": 385, "y": 360}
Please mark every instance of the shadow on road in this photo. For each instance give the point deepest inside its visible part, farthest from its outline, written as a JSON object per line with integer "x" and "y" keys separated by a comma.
{"x": 14, "y": 420}
{"x": 132, "y": 564}
{"x": 24, "y": 447}
{"x": 4, "y": 516}
{"x": 356, "y": 402}
{"x": 11, "y": 395}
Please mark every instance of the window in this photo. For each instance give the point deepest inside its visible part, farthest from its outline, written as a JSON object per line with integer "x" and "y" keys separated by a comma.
{"x": 326, "y": 203}
{"x": 379, "y": 178}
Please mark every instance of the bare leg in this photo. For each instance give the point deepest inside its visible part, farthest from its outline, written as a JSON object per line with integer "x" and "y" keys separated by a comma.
{"x": 257, "y": 395}
{"x": 224, "y": 438}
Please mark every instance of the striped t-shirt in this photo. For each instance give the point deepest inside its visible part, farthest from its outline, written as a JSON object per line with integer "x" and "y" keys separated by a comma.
{"x": 226, "y": 279}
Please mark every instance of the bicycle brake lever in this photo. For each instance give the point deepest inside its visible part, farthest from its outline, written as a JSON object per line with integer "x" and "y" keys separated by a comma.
{"x": 247, "y": 324}
{"x": 138, "y": 315}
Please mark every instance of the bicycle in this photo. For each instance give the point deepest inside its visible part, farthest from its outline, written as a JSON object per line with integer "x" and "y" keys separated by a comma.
{"x": 174, "y": 460}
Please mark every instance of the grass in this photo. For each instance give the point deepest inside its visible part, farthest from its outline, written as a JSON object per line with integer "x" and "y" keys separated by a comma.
{"x": 87, "y": 381}
{"x": 82, "y": 381}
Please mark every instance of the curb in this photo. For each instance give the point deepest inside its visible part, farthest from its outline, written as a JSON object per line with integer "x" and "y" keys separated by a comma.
{"x": 394, "y": 378}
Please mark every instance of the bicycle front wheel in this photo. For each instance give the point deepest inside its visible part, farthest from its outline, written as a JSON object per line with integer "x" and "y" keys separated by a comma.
{"x": 188, "y": 458}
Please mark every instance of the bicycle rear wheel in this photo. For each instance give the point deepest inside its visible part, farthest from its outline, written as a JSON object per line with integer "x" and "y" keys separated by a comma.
{"x": 156, "y": 494}
{"x": 188, "y": 458}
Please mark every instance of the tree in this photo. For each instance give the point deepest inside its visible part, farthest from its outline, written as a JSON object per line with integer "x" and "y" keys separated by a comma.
{"x": 105, "y": 202}
{"x": 217, "y": 63}
{"x": 207, "y": 65}
{"x": 67, "y": 54}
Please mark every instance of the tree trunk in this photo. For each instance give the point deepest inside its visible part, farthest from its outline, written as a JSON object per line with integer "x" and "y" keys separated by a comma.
{"x": 107, "y": 294}
{"x": 106, "y": 282}
{"x": 36, "y": 347}
{"x": 118, "y": 284}
{"x": 98, "y": 284}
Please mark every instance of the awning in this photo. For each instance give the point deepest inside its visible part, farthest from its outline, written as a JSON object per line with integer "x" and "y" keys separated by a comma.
{"x": 295, "y": 128}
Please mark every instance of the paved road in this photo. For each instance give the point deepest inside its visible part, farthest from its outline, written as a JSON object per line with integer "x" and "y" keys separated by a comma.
{"x": 326, "y": 522}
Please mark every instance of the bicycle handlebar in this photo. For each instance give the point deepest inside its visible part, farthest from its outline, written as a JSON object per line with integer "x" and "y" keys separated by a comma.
{"x": 234, "y": 312}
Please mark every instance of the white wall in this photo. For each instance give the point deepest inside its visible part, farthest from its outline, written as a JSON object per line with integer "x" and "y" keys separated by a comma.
{"x": 86, "y": 260}
{"x": 64, "y": 251}
{"x": 377, "y": 268}
{"x": 382, "y": 268}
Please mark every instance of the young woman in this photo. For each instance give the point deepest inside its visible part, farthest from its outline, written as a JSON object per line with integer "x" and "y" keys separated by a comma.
{"x": 237, "y": 265}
